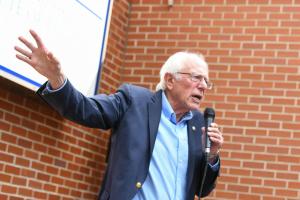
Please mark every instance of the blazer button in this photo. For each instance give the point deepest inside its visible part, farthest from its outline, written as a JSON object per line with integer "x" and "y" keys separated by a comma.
{"x": 138, "y": 185}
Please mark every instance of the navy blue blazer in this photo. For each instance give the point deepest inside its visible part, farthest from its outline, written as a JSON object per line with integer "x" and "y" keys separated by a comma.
{"x": 133, "y": 114}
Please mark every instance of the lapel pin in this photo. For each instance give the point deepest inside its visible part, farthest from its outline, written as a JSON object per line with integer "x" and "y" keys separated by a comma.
{"x": 193, "y": 128}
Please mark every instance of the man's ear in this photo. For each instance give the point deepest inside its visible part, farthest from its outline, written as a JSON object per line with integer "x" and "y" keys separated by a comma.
{"x": 169, "y": 80}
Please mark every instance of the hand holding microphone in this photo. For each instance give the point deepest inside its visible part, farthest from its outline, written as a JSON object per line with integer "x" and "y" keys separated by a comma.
{"x": 213, "y": 137}
{"x": 213, "y": 141}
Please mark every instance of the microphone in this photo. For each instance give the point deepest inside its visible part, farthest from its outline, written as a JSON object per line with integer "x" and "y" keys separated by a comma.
{"x": 209, "y": 117}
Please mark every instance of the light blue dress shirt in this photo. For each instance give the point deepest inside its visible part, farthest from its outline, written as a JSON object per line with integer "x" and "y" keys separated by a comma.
{"x": 166, "y": 179}
{"x": 168, "y": 166}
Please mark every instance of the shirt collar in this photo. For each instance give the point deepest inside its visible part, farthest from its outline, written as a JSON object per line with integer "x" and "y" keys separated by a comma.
{"x": 168, "y": 111}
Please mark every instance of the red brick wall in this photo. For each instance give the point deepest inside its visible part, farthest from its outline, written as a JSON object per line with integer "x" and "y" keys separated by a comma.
{"x": 111, "y": 74}
{"x": 42, "y": 155}
{"x": 252, "y": 49}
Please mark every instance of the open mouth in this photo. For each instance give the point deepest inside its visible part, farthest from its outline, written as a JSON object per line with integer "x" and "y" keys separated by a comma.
{"x": 196, "y": 98}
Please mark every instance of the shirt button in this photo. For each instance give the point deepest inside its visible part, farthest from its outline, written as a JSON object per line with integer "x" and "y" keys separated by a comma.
{"x": 138, "y": 185}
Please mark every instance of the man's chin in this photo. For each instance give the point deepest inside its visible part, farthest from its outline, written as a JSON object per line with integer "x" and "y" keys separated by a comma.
{"x": 194, "y": 106}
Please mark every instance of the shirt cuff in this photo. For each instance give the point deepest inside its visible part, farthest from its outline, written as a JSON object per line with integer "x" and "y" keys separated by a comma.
{"x": 215, "y": 167}
{"x": 50, "y": 90}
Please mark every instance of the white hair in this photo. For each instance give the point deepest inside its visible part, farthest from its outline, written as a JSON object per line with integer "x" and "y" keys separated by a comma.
{"x": 177, "y": 62}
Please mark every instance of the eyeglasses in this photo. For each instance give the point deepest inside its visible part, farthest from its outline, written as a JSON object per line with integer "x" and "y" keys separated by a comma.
{"x": 198, "y": 79}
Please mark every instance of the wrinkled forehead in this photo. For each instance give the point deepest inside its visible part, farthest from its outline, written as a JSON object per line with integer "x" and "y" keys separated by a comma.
{"x": 196, "y": 66}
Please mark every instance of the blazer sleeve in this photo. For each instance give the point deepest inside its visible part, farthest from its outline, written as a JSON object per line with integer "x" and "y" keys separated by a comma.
{"x": 100, "y": 111}
{"x": 210, "y": 178}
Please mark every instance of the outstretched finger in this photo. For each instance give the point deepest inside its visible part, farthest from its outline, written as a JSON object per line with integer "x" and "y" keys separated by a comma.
{"x": 22, "y": 51}
{"x": 37, "y": 38}
{"x": 28, "y": 44}
{"x": 25, "y": 59}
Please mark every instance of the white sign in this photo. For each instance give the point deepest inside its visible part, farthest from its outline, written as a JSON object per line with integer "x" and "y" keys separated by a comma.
{"x": 73, "y": 30}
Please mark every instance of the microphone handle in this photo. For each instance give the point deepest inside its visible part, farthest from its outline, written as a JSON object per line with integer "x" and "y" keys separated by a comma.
{"x": 207, "y": 142}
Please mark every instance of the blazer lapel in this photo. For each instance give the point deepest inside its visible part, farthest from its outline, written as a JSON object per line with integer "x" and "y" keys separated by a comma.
{"x": 154, "y": 111}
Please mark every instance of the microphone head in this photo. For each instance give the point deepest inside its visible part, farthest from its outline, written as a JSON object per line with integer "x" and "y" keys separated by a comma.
{"x": 209, "y": 112}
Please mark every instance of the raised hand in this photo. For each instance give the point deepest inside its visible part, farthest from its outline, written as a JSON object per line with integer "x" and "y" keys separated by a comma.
{"x": 41, "y": 60}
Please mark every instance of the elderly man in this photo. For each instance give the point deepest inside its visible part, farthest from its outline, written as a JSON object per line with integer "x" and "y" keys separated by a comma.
{"x": 156, "y": 149}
